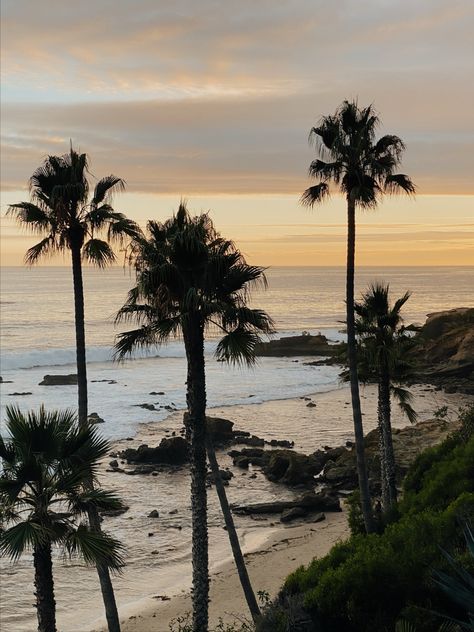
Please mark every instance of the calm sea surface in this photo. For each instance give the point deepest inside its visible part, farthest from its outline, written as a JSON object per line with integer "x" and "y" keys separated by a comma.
{"x": 37, "y": 337}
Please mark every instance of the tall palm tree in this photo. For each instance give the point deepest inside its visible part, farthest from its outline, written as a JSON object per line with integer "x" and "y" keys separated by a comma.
{"x": 383, "y": 356}
{"x": 363, "y": 170}
{"x": 61, "y": 210}
{"x": 47, "y": 462}
{"x": 190, "y": 280}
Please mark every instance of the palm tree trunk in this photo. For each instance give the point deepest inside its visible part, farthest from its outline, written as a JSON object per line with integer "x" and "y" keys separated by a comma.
{"x": 391, "y": 484}
{"x": 44, "y": 585}
{"x": 354, "y": 380}
{"x": 382, "y": 449}
{"x": 193, "y": 332}
{"x": 108, "y": 595}
{"x": 80, "y": 333}
{"x": 232, "y": 533}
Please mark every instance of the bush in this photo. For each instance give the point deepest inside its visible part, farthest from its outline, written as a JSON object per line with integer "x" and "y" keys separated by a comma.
{"x": 369, "y": 582}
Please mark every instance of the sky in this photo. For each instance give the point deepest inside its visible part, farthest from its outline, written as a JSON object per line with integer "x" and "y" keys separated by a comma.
{"x": 213, "y": 102}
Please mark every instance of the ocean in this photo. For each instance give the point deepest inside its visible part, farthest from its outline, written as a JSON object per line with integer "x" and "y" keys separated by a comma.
{"x": 37, "y": 338}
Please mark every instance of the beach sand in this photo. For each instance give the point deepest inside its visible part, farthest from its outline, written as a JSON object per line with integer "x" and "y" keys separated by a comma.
{"x": 283, "y": 551}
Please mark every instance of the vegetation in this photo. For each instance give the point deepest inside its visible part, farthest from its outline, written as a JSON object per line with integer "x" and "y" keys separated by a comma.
{"x": 189, "y": 279}
{"x": 369, "y": 582}
{"x": 363, "y": 168}
{"x": 45, "y": 495}
{"x": 62, "y": 211}
{"x": 382, "y": 349}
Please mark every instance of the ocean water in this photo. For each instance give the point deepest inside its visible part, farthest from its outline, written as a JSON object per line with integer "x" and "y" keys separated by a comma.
{"x": 37, "y": 338}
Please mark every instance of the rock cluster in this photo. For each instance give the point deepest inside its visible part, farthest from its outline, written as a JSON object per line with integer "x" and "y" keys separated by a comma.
{"x": 59, "y": 380}
{"x": 304, "y": 345}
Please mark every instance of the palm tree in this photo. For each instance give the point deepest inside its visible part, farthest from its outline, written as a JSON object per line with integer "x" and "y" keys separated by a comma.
{"x": 60, "y": 209}
{"x": 189, "y": 279}
{"x": 383, "y": 356}
{"x": 44, "y": 494}
{"x": 363, "y": 170}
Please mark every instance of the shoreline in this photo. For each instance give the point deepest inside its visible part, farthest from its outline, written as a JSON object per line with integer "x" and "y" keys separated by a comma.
{"x": 283, "y": 551}
{"x": 158, "y": 551}
{"x": 335, "y": 404}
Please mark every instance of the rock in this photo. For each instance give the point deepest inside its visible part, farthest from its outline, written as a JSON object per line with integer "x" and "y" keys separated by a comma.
{"x": 311, "y": 501}
{"x": 293, "y": 468}
{"x": 310, "y": 405}
{"x": 94, "y": 418}
{"x": 114, "y": 464}
{"x": 242, "y": 462}
{"x": 292, "y": 514}
{"x": 20, "y": 394}
{"x": 146, "y": 406}
{"x": 173, "y": 512}
{"x": 280, "y": 443}
{"x": 111, "y": 513}
{"x": 253, "y": 440}
{"x": 154, "y": 514}
{"x": 304, "y": 345}
{"x": 226, "y": 475}
{"x": 59, "y": 380}
{"x": 171, "y": 451}
{"x": 450, "y": 388}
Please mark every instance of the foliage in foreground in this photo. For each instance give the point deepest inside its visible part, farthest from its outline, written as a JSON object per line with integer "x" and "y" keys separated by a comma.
{"x": 368, "y": 583}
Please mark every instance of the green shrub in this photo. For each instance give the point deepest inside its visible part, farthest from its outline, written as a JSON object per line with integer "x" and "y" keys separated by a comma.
{"x": 369, "y": 582}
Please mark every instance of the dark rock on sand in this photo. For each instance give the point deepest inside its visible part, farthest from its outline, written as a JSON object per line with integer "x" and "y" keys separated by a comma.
{"x": 20, "y": 394}
{"x": 311, "y": 501}
{"x": 170, "y": 451}
{"x": 154, "y": 514}
{"x": 59, "y": 380}
{"x": 94, "y": 418}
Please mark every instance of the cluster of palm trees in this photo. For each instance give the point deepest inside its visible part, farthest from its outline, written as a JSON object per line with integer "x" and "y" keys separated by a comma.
{"x": 189, "y": 280}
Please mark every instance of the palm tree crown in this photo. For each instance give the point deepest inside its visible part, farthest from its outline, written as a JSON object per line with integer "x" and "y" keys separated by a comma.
{"x": 47, "y": 464}
{"x": 185, "y": 269}
{"x": 62, "y": 211}
{"x": 350, "y": 156}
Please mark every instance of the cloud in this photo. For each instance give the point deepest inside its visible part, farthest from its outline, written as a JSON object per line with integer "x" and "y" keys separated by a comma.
{"x": 210, "y": 97}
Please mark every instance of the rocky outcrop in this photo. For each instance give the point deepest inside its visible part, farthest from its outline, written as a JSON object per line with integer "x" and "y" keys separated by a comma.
{"x": 341, "y": 473}
{"x": 444, "y": 349}
{"x": 286, "y": 466}
{"x": 304, "y": 345}
{"x": 94, "y": 418}
{"x": 171, "y": 451}
{"x": 59, "y": 380}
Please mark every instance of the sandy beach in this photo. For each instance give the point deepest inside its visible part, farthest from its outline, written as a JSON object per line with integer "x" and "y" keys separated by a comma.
{"x": 283, "y": 551}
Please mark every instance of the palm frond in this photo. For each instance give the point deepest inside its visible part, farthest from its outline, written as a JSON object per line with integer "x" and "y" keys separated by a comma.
{"x": 47, "y": 247}
{"x": 98, "y": 252}
{"x": 404, "y": 399}
{"x": 22, "y": 537}
{"x": 128, "y": 341}
{"x": 238, "y": 347}
{"x": 95, "y": 548}
{"x": 395, "y": 183}
{"x": 31, "y": 215}
{"x": 315, "y": 194}
{"x": 106, "y": 187}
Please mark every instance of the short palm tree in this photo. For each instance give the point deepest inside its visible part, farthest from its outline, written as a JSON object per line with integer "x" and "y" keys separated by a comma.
{"x": 47, "y": 462}
{"x": 383, "y": 346}
{"x": 190, "y": 280}
{"x": 363, "y": 170}
{"x": 61, "y": 210}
